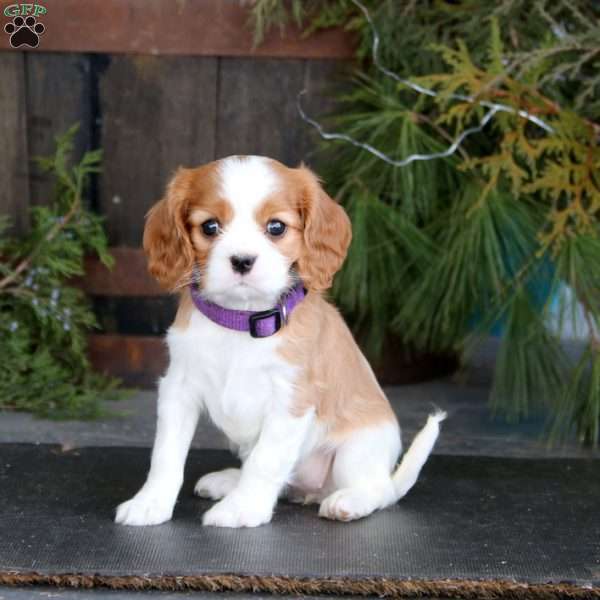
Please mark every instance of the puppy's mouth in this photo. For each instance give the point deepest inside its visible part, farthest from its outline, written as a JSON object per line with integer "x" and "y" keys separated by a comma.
{"x": 242, "y": 283}
{"x": 240, "y": 287}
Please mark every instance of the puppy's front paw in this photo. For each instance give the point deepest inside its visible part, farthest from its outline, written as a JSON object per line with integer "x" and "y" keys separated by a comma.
{"x": 217, "y": 485}
{"x": 144, "y": 510}
{"x": 233, "y": 511}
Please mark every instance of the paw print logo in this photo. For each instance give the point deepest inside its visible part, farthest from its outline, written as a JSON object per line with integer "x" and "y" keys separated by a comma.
{"x": 24, "y": 32}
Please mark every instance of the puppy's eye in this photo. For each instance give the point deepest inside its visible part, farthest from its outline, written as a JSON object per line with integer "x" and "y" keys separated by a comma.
{"x": 211, "y": 227}
{"x": 275, "y": 227}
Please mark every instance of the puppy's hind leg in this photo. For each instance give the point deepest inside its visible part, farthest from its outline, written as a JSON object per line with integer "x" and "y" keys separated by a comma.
{"x": 361, "y": 473}
{"x": 362, "y": 469}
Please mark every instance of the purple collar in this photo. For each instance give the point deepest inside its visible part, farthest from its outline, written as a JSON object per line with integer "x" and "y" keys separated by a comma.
{"x": 260, "y": 324}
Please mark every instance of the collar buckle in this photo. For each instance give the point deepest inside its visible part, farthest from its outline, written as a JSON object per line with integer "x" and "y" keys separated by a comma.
{"x": 257, "y": 317}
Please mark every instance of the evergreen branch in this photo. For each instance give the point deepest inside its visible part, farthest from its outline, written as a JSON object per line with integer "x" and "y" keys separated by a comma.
{"x": 409, "y": 8}
{"x": 441, "y": 132}
{"x": 584, "y": 22}
{"x": 554, "y": 26}
{"x": 493, "y": 109}
{"x": 595, "y": 339}
{"x": 54, "y": 231}
{"x": 381, "y": 155}
{"x": 43, "y": 320}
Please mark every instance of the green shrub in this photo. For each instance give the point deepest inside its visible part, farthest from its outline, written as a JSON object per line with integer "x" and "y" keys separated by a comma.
{"x": 44, "y": 320}
{"x": 446, "y": 251}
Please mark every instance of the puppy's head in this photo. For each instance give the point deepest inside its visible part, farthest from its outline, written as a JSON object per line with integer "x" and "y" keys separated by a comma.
{"x": 246, "y": 228}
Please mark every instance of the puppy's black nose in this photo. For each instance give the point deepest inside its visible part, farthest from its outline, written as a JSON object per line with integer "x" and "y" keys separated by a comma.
{"x": 242, "y": 264}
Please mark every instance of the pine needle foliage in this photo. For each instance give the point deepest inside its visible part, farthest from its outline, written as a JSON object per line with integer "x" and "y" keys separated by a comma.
{"x": 502, "y": 235}
{"x": 44, "y": 320}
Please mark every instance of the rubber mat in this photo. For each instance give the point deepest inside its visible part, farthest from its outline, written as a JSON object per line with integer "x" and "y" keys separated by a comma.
{"x": 471, "y": 527}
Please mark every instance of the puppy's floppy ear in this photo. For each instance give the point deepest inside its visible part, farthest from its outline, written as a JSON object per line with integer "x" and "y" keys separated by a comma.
{"x": 166, "y": 239}
{"x": 327, "y": 233}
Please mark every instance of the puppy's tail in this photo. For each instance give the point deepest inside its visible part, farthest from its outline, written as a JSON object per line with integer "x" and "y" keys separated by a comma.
{"x": 405, "y": 476}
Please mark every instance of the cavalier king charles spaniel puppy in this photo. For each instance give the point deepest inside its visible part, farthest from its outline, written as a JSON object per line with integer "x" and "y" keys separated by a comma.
{"x": 252, "y": 246}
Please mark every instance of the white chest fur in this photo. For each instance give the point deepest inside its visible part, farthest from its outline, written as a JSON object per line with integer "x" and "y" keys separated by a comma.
{"x": 238, "y": 379}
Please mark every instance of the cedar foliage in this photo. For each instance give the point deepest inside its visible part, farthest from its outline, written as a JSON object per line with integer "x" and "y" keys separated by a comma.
{"x": 43, "y": 319}
{"x": 505, "y": 231}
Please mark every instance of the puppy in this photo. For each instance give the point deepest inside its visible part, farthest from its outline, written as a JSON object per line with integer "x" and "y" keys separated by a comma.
{"x": 252, "y": 245}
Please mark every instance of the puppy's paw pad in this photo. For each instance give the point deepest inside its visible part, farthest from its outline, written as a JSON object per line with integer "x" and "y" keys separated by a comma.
{"x": 230, "y": 514}
{"x": 217, "y": 485}
{"x": 346, "y": 505}
{"x": 143, "y": 511}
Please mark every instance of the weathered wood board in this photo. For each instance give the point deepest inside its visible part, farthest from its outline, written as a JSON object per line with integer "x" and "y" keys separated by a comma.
{"x": 158, "y": 113}
{"x": 257, "y": 108}
{"x": 175, "y": 27}
{"x": 14, "y": 164}
{"x": 59, "y": 94}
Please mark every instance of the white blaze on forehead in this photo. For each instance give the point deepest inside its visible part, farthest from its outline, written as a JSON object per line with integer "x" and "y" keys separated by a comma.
{"x": 246, "y": 181}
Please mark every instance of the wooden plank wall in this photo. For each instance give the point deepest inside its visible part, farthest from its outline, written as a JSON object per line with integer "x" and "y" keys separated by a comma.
{"x": 150, "y": 114}
{"x": 58, "y": 94}
{"x": 162, "y": 112}
{"x": 14, "y": 171}
{"x": 157, "y": 113}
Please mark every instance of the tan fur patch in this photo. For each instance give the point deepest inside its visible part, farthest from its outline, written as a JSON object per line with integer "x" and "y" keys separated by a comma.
{"x": 281, "y": 205}
{"x": 335, "y": 377}
{"x": 172, "y": 239}
{"x": 325, "y": 226}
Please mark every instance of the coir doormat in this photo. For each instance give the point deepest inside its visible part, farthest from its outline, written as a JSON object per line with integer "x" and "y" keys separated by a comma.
{"x": 472, "y": 527}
